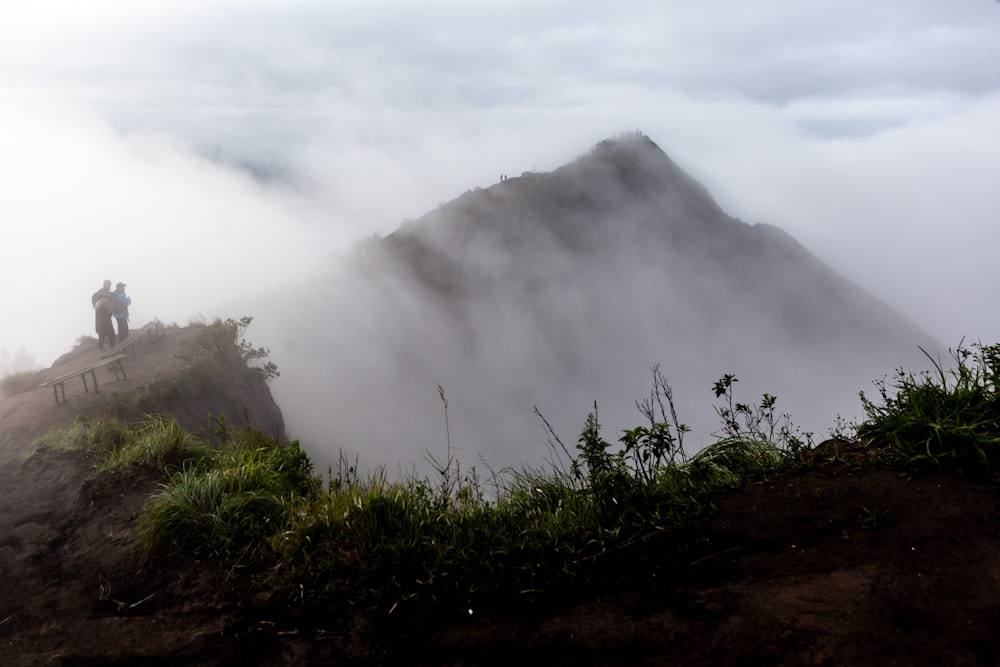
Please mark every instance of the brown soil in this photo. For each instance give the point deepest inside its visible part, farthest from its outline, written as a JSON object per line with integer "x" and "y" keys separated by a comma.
{"x": 836, "y": 564}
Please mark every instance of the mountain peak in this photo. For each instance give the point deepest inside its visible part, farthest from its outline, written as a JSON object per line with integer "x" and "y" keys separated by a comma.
{"x": 614, "y": 261}
{"x": 639, "y": 164}
{"x": 622, "y": 190}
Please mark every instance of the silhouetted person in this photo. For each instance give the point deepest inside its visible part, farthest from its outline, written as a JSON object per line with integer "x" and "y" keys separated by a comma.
{"x": 119, "y": 308}
{"x": 102, "y": 322}
{"x": 102, "y": 293}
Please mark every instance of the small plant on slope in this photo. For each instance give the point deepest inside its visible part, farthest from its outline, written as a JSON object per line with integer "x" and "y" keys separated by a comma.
{"x": 947, "y": 419}
{"x": 661, "y": 442}
{"x": 746, "y": 423}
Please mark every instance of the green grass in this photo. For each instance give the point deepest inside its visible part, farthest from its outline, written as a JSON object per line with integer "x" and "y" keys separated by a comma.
{"x": 943, "y": 419}
{"x": 159, "y": 442}
{"x": 228, "y": 504}
{"x": 404, "y": 540}
{"x": 256, "y": 509}
{"x": 732, "y": 460}
{"x": 86, "y": 435}
{"x": 448, "y": 536}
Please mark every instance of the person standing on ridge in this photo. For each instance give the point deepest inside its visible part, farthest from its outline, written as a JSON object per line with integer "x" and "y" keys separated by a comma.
{"x": 119, "y": 308}
{"x": 102, "y": 293}
{"x": 102, "y": 322}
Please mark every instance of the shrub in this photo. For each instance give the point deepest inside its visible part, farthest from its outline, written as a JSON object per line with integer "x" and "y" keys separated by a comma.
{"x": 17, "y": 383}
{"x": 161, "y": 443}
{"x": 87, "y": 435}
{"x": 224, "y": 342}
{"x": 232, "y": 505}
{"x": 945, "y": 419}
{"x": 757, "y": 424}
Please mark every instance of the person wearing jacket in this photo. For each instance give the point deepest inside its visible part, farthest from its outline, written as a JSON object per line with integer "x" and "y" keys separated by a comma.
{"x": 102, "y": 293}
{"x": 102, "y": 322}
{"x": 119, "y": 308}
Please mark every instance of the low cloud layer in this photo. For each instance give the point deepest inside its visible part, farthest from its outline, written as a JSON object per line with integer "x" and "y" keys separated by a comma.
{"x": 559, "y": 291}
{"x": 218, "y": 156}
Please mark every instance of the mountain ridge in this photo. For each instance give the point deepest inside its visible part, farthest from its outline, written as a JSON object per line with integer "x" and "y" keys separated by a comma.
{"x": 680, "y": 211}
{"x": 557, "y": 290}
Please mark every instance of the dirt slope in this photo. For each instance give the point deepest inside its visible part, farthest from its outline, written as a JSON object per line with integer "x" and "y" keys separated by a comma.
{"x": 836, "y": 564}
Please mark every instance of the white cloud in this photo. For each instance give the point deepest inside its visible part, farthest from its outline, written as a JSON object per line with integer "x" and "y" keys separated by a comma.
{"x": 867, "y": 131}
{"x": 85, "y": 204}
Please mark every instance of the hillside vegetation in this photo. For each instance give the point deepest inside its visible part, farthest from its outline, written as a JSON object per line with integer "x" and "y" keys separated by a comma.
{"x": 138, "y": 537}
{"x": 259, "y": 510}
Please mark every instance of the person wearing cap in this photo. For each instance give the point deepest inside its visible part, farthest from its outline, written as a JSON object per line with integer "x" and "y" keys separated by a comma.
{"x": 119, "y": 308}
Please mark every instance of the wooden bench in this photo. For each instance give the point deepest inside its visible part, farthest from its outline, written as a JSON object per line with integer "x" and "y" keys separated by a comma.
{"x": 150, "y": 330}
{"x": 57, "y": 384}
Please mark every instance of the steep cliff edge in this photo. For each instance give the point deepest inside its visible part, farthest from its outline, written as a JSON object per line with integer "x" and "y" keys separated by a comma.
{"x": 73, "y": 590}
{"x": 166, "y": 374}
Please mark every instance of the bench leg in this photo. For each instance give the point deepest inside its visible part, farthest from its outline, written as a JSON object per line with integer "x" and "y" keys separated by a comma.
{"x": 57, "y": 388}
{"x": 119, "y": 370}
{"x": 93, "y": 376}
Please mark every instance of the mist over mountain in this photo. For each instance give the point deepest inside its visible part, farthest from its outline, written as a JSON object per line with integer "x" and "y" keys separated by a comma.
{"x": 562, "y": 289}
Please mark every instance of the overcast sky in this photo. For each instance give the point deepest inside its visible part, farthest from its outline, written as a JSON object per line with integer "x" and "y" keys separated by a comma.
{"x": 202, "y": 151}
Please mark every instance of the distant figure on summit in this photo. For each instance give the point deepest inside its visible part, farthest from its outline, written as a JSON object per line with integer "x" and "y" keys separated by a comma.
{"x": 119, "y": 308}
{"x": 102, "y": 293}
{"x": 102, "y": 322}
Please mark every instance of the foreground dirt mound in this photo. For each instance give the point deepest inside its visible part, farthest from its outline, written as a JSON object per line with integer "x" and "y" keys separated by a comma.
{"x": 73, "y": 591}
{"x": 834, "y": 564}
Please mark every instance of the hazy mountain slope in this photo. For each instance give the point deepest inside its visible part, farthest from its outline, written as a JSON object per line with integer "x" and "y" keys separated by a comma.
{"x": 561, "y": 289}
{"x": 626, "y": 201}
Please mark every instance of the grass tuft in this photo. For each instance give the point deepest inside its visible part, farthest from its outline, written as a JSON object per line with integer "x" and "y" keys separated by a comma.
{"x": 160, "y": 442}
{"x": 943, "y": 419}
